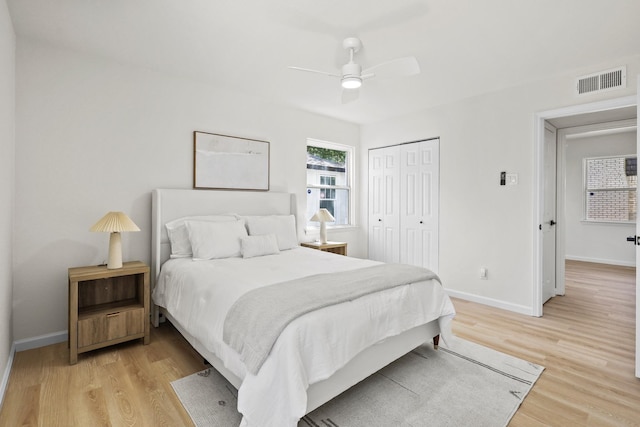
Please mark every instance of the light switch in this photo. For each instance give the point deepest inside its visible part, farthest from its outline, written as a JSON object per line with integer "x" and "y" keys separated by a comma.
{"x": 512, "y": 179}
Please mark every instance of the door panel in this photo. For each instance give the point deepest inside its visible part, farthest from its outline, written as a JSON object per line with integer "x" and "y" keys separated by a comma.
{"x": 390, "y": 219}
{"x": 384, "y": 238}
{"x": 549, "y": 215}
{"x": 418, "y": 201}
{"x": 375, "y": 207}
{"x": 638, "y": 251}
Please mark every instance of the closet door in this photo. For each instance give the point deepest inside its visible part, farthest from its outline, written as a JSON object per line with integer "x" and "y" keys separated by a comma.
{"x": 384, "y": 201}
{"x": 419, "y": 203}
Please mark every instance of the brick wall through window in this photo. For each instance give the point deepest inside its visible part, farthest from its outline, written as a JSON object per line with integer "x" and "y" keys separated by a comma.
{"x": 610, "y": 190}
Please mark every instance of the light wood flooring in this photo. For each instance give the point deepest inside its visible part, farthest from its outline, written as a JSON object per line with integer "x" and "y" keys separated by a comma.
{"x": 585, "y": 340}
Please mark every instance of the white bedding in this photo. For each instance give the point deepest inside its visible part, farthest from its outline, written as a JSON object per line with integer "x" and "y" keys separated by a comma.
{"x": 198, "y": 295}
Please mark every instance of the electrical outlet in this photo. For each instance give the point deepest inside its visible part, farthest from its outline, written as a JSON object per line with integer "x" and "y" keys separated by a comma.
{"x": 483, "y": 273}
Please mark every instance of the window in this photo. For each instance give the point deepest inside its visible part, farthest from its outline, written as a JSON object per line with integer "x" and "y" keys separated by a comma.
{"x": 610, "y": 188}
{"x": 328, "y": 195}
{"x": 329, "y": 174}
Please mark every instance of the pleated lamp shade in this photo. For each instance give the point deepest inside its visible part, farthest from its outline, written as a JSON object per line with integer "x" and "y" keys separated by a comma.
{"x": 115, "y": 223}
{"x": 323, "y": 216}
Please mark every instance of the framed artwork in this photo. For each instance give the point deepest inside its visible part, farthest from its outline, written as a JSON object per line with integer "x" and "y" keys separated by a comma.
{"x": 230, "y": 162}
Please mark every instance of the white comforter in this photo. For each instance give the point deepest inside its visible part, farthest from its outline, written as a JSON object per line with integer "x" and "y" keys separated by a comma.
{"x": 198, "y": 295}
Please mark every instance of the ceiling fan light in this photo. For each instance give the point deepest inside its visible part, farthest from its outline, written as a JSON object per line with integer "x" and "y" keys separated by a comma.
{"x": 351, "y": 82}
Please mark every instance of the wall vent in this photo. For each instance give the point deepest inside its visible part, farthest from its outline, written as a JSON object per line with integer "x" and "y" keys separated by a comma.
{"x": 603, "y": 81}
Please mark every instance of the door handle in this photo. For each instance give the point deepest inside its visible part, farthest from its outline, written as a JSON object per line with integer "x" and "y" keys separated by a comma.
{"x": 551, "y": 224}
{"x": 634, "y": 239}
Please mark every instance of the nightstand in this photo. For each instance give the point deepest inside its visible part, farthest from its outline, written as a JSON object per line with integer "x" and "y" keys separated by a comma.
{"x": 107, "y": 307}
{"x": 339, "y": 248}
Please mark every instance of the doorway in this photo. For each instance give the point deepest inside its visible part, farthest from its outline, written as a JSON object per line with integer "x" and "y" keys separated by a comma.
{"x": 579, "y": 115}
{"x": 605, "y": 111}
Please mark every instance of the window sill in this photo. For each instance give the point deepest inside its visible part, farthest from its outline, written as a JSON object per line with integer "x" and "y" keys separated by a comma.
{"x": 604, "y": 222}
{"x": 331, "y": 228}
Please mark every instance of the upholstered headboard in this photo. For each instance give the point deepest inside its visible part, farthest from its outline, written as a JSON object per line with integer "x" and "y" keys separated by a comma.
{"x": 169, "y": 204}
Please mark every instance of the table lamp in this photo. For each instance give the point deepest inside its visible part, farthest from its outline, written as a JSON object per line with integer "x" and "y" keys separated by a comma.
{"x": 115, "y": 223}
{"x": 323, "y": 216}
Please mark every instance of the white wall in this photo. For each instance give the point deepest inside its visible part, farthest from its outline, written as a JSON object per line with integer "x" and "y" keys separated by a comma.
{"x": 595, "y": 242}
{"x": 94, "y": 135}
{"x": 7, "y": 148}
{"x": 483, "y": 224}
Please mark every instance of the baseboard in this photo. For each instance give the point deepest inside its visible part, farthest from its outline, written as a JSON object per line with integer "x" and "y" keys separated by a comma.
{"x": 491, "y": 302}
{"x": 28, "y": 344}
{"x": 7, "y": 373}
{"x": 601, "y": 261}
{"x": 41, "y": 341}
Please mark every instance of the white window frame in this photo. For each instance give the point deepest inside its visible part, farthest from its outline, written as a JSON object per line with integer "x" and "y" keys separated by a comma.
{"x": 349, "y": 177}
{"x": 586, "y": 190}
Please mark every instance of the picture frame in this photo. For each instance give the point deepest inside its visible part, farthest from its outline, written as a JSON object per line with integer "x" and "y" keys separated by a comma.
{"x": 227, "y": 162}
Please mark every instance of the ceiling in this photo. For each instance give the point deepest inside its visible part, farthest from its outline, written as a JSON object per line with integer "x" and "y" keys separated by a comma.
{"x": 464, "y": 47}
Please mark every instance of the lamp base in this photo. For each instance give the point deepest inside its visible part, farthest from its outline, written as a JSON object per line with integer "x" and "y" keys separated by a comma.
{"x": 115, "y": 251}
{"x": 323, "y": 232}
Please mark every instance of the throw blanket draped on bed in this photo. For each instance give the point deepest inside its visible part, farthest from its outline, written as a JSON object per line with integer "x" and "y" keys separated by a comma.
{"x": 255, "y": 321}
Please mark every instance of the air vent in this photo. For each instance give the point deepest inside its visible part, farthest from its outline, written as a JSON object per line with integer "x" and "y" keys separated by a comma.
{"x": 599, "y": 82}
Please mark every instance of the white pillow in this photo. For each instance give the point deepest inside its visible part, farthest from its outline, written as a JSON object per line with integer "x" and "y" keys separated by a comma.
{"x": 283, "y": 226}
{"x": 179, "y": 235}
{"x": 253, "y": 246}
{"x": 211, "y": 240}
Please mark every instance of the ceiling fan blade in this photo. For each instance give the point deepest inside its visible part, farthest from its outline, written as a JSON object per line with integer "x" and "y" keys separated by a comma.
{"x": 399, "y": 67}
{"x": 308, "y": 70}
{"x": 350, "y": 95}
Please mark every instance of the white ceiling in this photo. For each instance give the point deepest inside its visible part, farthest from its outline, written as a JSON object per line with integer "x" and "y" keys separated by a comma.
{"x": 464, "y": 47}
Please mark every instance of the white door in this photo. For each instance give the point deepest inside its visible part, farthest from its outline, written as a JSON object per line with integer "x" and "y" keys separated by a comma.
{"x": 419, "y": 198}
{"x": 549, "y": 215}
{"x": 384, "y": 197}
{"x": 638, "y": 254}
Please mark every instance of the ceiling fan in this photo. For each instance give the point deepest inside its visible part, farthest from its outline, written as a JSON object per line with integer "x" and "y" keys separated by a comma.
{"x": 352, "y": 75}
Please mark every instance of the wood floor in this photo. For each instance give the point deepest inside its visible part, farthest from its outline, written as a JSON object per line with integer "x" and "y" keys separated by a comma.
{"x": 585, "y": 340}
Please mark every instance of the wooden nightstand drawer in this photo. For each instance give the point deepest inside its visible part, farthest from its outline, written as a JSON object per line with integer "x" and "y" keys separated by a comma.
{"x": 98, "y": 329}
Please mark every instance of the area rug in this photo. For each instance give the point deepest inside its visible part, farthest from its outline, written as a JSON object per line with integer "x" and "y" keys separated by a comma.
{"x": 461, "y": 384}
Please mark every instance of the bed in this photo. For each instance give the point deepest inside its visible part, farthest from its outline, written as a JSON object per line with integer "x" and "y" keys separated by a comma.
{"x": 316, "y": 356}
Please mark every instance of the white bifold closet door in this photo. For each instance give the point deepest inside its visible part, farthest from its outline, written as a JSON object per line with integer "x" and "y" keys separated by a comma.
{"x": 384, "y": 204}
{"x": 403, "y": 203}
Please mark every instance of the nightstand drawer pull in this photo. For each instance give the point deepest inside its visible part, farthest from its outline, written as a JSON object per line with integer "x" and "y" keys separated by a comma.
{"x": 117, "y": 313}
